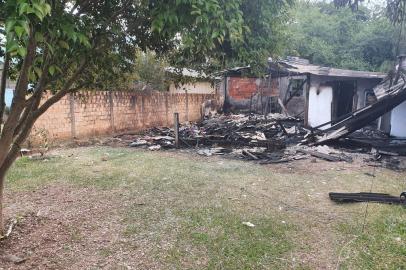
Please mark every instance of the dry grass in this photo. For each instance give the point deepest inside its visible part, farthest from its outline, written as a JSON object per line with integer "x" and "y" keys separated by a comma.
{"x": 116, "y": 208}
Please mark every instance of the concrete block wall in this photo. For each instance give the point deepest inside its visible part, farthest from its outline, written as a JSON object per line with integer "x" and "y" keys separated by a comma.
{"x": 95, "y": 113}
{"x": 57, "y": 120}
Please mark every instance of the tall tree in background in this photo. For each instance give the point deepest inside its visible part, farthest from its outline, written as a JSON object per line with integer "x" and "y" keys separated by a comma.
{"x": 148, "y": 73}
{"x": 361, "y": 39}
{"x": 395, "y": 12}
{"x": 67, "y": 45}
{"x": 240, "y": 32}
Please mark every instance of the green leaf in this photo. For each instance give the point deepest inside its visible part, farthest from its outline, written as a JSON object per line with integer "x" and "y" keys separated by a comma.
{"x": 58, "y": 69}
{"x": 39, "y": 14}
{"x": 24, "y": 7}
{"x": 25, "y": 25}
{"x": 22, "y": 51}
{"x": 196, "y": 12}
{"x": 51, "y": 48}
{"x": 19, "y": 31}
{"x": 9, "y": 25}
{"x": 51, "y": 70}
{"x": 47, "y": 9}
{"x": 84, "y": 40}
{"x": 38, "y": 71}
{"x": 87, "y": 43}
{"x": 39, "y": 37}
{"x": 39, "y": 11}
{"x": 11, "y": 46}
{"x": 32, "y": 76}
{"x": 63, "y": 44}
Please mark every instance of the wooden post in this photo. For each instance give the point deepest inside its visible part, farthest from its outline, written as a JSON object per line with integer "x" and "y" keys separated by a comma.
{"x": 176, "y": 128}
{"x": 306, "y": 112}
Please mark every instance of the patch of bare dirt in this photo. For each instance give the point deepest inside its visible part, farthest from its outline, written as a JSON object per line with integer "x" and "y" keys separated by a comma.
{"x": 60, "y": 227}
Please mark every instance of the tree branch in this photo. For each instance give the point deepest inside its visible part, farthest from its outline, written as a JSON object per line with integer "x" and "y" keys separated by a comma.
{"x": 27, "y": 120}
{"x": 60, "y": 94}
{"x": 18, "y": 103}
{"x": 3, "y": 83}
{"x": 83, "y": 7}
{"x": 34, "y": 101}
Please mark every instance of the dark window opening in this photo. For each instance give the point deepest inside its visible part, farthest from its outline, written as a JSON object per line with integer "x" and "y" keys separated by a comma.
{"x": 370, "y": 97}
{"x": 296, "y": 89}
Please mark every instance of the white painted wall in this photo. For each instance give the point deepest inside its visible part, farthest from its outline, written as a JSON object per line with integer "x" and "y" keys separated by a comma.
{"x": 362, "y": 85}
{"x": 320, "y": 98}
{"x": 193, "y": 88}
{"x": 9, "y": 97}
{"x": 398, "y": 121}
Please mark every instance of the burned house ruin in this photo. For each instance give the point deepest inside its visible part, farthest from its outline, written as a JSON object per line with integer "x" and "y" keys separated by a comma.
{"x": 321, "y": 96}
{"x": 328, "y": 94}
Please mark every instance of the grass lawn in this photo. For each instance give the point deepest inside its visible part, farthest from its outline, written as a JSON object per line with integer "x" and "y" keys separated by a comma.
{"x": 119, "y": 208}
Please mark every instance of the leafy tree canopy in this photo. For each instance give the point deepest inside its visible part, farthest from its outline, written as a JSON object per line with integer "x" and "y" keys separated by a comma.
{"x": 66, "y": 45}
{"x": 223, "y": 33}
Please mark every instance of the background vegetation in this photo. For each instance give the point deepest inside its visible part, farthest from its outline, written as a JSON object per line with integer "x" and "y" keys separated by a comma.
{"x": 362, "y": 39}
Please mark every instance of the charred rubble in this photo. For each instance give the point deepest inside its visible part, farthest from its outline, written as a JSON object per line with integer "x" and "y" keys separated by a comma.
{"x": 274, "y": 138}
{"x": 251, "y": 137}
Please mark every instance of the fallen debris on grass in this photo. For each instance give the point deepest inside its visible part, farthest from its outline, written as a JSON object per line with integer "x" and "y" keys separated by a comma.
{"x": 248, "y": 224}
{"x": 368, "y": 197}
{"x": 14, "y": 259}
{"x": 250, "y": 137}
{"x": 10, "y": 229}
{"x": 266, "y": 140}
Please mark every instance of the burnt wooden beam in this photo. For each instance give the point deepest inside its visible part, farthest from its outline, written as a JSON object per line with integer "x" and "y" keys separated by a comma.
{"x": 367, "y": 197}
{"x": 176, "y": 128}
{"x": 321, "y": 155}
{"x": 395, "y": 95}
{"x": 296, "y": 91}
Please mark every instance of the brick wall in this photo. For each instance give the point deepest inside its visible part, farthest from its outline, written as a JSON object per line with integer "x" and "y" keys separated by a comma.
{"x": 245, "y": 94}
{"x": 94, "y": 113}
{"x": 242, "y": 88}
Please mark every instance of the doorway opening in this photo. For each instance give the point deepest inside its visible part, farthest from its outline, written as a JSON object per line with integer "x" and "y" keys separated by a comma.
{"x": 343, "y": 99}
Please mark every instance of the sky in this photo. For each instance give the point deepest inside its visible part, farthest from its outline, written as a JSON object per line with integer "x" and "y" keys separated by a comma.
{"x": 368, "y": 3}
{"x": 9, "y": 97}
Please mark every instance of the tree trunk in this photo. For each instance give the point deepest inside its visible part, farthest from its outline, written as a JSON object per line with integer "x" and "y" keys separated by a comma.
{"x": 3, "y": 171}
{"x": 2, "y": 177}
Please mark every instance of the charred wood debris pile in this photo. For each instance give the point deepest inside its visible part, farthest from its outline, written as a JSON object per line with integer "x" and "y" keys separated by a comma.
{"x": 274, "y": 138}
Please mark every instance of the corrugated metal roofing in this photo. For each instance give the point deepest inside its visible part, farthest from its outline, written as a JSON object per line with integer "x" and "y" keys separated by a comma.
{"x": 297, "y": 69}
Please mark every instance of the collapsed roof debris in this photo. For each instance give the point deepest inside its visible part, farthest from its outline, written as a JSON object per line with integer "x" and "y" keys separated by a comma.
{"x": 390, "y": 93}
{"x": 272, "y": 139}
{"x": 248, "y": 136}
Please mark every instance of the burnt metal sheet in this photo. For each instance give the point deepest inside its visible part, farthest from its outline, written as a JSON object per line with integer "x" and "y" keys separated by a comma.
{"x": 287, "y": 68}
{"x": 328, "y": 71}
